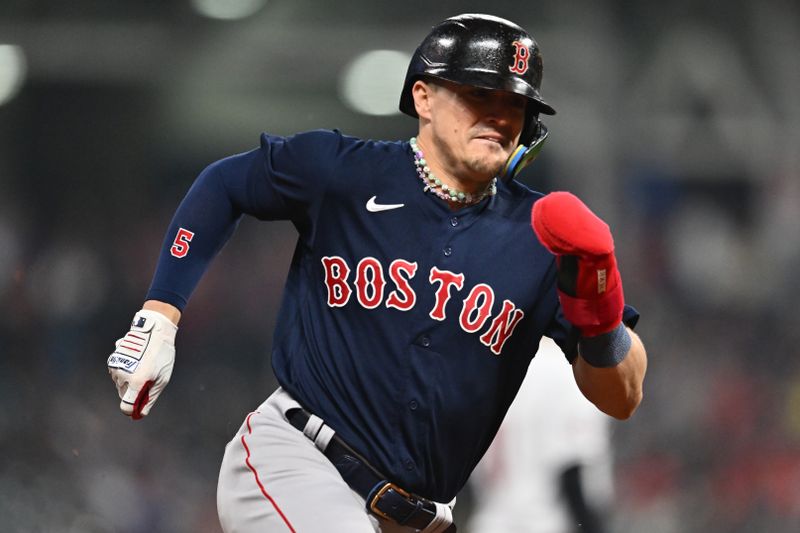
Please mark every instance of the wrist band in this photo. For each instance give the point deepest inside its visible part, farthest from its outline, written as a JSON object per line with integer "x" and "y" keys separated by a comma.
{"x": 606, "y": 350}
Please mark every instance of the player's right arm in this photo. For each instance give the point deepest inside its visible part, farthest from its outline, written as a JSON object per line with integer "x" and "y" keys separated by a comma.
{"x": 141, "y": 364}
{"x": 277, "y": 181}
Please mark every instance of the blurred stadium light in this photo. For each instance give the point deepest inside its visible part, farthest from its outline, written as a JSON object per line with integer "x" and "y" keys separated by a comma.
{"x": 13, "y": 68}
{"x": 228, "y": 9}
{"x": 372, "y": 82}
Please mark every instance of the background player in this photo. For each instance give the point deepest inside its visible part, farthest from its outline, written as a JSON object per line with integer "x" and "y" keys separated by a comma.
{"x": 549, "y": 469}
{"x": 401, "y": 341}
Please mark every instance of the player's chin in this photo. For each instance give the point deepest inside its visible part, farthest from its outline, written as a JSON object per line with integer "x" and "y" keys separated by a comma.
{"x": 487, "y": 165}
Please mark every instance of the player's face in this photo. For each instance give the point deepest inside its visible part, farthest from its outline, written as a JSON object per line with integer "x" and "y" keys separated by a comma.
{"x": 475, "y": 130}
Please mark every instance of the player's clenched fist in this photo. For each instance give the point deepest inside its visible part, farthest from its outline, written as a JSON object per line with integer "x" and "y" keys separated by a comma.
{"x": 141, "y": 364}
{"x": 589, "y": 284}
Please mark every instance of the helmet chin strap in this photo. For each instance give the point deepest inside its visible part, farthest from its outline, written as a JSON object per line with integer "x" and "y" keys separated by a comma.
{"x": 523, "y": 155}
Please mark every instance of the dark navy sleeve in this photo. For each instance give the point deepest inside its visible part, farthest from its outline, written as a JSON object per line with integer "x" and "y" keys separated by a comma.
{"x": 294, "y": 173}
{"x": 201, "y": 226}
{"x": 277, "y": 181}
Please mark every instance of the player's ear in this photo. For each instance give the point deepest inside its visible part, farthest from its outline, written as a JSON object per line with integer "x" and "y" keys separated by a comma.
{"x": 422, "y": 92}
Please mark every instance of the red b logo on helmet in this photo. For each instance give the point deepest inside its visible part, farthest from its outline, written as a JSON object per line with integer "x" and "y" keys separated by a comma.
{"x": 521, "y": 56}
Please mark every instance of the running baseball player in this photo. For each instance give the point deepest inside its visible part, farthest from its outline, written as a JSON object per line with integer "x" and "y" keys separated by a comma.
{"x": 423, "y": 278}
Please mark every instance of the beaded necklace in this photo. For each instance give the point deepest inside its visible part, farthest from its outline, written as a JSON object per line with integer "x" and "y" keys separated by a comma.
{"x": 442, "y": 190}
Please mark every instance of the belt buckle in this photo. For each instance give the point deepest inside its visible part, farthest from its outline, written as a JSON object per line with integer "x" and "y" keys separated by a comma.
{"x": 373, "y": 504}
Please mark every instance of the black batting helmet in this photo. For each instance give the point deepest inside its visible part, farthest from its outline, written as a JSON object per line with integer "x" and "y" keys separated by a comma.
{"x": 482, "y": 51}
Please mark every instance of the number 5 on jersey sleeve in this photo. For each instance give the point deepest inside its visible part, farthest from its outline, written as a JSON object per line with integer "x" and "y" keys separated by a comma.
{"x": 180, "y": 246}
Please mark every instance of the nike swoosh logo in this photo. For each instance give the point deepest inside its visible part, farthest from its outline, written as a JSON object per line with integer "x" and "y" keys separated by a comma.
{"x": 374, "y": 207}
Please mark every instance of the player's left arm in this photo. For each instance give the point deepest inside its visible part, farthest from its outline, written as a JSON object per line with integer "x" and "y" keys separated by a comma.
{"x": 615, "y": 390}
{"x": 612, "y": 361}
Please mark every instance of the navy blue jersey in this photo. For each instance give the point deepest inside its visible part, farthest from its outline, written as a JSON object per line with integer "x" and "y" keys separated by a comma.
{"x": 406, "y": 326}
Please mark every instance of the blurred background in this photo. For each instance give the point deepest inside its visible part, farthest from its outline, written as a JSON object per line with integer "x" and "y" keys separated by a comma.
{"x": 678, "y": 122}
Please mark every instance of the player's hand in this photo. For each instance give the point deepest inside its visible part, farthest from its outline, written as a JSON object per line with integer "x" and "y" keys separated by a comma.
{"x": 141, "y": 364}
{"x": 589, "y": 284}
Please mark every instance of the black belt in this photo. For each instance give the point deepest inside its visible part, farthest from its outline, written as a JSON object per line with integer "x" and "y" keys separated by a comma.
{"x": 383, "y": 498}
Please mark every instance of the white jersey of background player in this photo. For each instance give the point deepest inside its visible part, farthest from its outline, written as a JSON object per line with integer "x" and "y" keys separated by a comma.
{"x": 550, "y": 466}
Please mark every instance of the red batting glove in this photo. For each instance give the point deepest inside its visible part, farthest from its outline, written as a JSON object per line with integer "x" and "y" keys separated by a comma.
{"x": 589, "y": 284}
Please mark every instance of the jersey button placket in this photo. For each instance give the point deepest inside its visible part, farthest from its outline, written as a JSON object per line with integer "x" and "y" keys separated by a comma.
{"x": 447, "y": 250}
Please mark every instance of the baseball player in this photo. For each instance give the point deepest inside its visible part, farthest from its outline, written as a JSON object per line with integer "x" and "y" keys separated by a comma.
{"x": 423, "y": 278}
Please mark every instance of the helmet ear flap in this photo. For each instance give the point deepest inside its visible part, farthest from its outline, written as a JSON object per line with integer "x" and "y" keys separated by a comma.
{"x": 531, "y": 143}
{"x": 532, "y": 129}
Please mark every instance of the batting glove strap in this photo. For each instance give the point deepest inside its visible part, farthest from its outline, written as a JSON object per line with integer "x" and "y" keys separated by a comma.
{"x": 594, "y": 316}
{"x": 141, "y": 364}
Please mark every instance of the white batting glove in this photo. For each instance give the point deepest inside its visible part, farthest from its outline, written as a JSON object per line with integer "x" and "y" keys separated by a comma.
{"x": 141, "y": 364}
